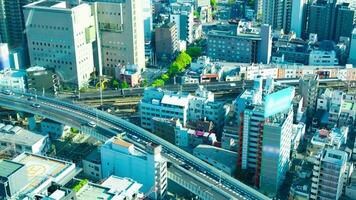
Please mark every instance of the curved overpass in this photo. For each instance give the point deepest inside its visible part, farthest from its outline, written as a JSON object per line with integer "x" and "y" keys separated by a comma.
{"x": 109, "y": 125}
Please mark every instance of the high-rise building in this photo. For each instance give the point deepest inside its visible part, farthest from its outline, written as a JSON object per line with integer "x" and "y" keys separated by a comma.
{"x": 166, "y": 41}
{"x": 243, "y": 43}
{"x": 329, "y": 173}
{"x": 12, "y": 22}
{"x": 297, "y": 20}
{"x": 146, "y": 166}
{"x": 276, "y": 151}
{"x": 321, "y": 15}
{"x": 182, "y": 15}
{"x": 352, "y": 54}
{"x": 308, "y": 89}
{"x": 344, "y": 20}
{"x": 60, "y": 36}
{"x": 120, "y": 33}
{"x": 264, "y": 118}
{"x": 277, "y": 13}
{"x": 147, "y": 19}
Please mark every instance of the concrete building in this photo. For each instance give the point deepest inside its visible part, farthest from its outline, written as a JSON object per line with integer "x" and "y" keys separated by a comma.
{"x": 145, "y": 166}
{"x": 13, "y": 80}
{"x": 308, "y": 89}
{"x": 60, "y": 37}
{"x": 328, "y": 177}
{"x": 54, "y": 129}
{"x": 113, "y": 187}
{"x": 14, "y": 139}
{"x": 277, "y": 13}
{"x": 321, "y": 18}
{"x": 276, "y": 152}
{"x": 92, "y": 165}
{"x": 182, "y": 15}
{"x": 241, "y": 44}
{"x": 12, "y": 176}
{"x": 4, "y": 56}
{"x": 189, "y": 138}
{"x": 344, "y": 21}
{"x": 13, "y": 22}
{"x": 323, "y": 58}
{"x": 163, "y": 104}
{"x": 297, "y": 19}
{"x": 202, "y": 106}
{"x": 260, "y": 115}
{"x": 28, "y": 176}
{"x": 165, "y": 128}
{"x": 166, "y": 41}
{"x": 42, "y": 80}
{"x": 120, "y": 34}
{"x": 352, "y": 55}
{"x": 147, "y": 19}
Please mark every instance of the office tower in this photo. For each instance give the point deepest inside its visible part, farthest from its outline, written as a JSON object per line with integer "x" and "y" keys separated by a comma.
{"x": 120, "y": 34}
{"x": 352, "y": 54}
{"x": 277, "y": 134}
{"x": 259, "y": 9}
{"x": 3, "y": 25}
{"x": 61, "y": 37}
{"x": 12, "y": 22}
{"x": 328, "y": 177}
{"x": 242, "y": 43}
{"x": 344, "y": 19}
{"x": 147, "y": 19}
{"x": 277, "y": 13}
{"x": 297, "y": 19}
{"x": 264, "y": 51}
{"x": 182, "y": 15}
{"x": 146, "y": 166}
{"x": 166, "y": 41}
{"x": 321, "y": 15}
{"x": 264, "y": 118}
{"x": 308, "y": 89}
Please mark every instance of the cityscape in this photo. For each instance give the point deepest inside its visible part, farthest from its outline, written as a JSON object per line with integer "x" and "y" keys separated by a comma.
{"x": 177, "y": 99}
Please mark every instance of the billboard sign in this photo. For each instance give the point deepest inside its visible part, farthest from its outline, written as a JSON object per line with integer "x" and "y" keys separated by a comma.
{"x": 278, "y": 101}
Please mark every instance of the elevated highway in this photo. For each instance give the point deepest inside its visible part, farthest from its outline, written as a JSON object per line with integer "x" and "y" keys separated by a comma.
{"x": 108, "y": 125}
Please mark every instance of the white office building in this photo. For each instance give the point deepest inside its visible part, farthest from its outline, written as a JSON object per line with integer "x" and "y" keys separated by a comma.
{"x": 328, "y": 180}
{"x": 146, "y": 166}
{"x": 323, "y": 58}
{"x": 164, "y": 104}
{"x": 60, "y": 36}
{"x": 202, "y": 106}
{"x": 14, "y": 139}
{"x": 121, "y": 34}
{"x": 13, "y": 80}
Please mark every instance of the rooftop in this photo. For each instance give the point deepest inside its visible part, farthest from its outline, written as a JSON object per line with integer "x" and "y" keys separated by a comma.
{"x": 222, "y": 156}
{"x": 41, "y": 169}
{"x": 7, "y": 168}
{"x": 17, "y": 135}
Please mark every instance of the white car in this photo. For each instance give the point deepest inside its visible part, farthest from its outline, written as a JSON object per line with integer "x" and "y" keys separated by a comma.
{"x": 92, "y": 124}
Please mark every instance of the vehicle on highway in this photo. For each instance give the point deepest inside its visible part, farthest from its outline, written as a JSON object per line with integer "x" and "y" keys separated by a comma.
{"x": 29, "y": 98}
{"x": 92, "y": 124}
{"x": 187, "y": 167}
{"x": 36, "y": 105}
{"x": 7, "y": 92}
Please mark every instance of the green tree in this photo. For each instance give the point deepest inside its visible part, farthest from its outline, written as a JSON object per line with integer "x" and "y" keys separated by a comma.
{"x": 183, "y": 60}
{"x": 196, "y": 14}
{"x": 158, "y": 83}
{"x": 194, "y": 52}
{"x": 174, "y": 68}
{"x": 213, "y": 4}
{"x": 115, "y": 83}
{"x": 124, "y": 85}
{"x": 165, "y": 77}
